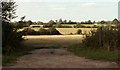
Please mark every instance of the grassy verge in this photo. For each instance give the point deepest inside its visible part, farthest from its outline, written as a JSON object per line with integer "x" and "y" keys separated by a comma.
{"x": 12, "y": 57}
{"x": 95, "y": 54}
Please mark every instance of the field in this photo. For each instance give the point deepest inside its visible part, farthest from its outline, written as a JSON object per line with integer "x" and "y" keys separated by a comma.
{"x": 67, "y": 31}
{"x": 52, "y": 40}
{"x": 74, "y": 30}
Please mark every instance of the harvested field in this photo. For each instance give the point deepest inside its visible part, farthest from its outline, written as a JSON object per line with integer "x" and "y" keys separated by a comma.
{"x": 68, "y": 30}
{"x": 74, "y": 30}
{"x": 52, "y": 40}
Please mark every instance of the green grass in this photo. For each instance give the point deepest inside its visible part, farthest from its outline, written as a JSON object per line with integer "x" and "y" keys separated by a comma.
{"x": 12, "y": 57}
{"x": 94, "y": 54}
{"x": 66, "y": 24}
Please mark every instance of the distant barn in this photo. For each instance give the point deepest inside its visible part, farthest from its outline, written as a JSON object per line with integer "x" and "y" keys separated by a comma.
{"x": 41, "y": 26}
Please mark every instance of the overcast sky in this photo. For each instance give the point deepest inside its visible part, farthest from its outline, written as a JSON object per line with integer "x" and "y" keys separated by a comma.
{"x": 76, "y": 10}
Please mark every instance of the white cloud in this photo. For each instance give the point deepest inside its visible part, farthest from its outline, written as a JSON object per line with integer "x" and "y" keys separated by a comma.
{"x": 91, "y": 4}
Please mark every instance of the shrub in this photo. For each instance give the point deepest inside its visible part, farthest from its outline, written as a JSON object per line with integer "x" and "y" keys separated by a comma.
{"x": 10, "y": 38}
{"x": 29, "y": 31}
{"x": 79, "y": 31}
{"x": 43, "y": 31}
{"x": 78, "y": 25}
{"x": 105, "y": 38}
{"x": 53, "y": 31}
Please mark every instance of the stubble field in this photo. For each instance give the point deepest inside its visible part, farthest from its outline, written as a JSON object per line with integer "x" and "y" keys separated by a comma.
{"x": 52, "y": 40}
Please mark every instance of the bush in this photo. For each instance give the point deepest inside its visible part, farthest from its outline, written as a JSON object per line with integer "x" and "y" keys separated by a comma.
{"x": 79, "y": 31}
{"x": 29, "y": 31}
{"x": 10, "y": 38}
{"x": 104, "y": 38}
{"x": 78, "y": 25}
{"x": 43, "y": 31}
{"x": 53, "y": 31}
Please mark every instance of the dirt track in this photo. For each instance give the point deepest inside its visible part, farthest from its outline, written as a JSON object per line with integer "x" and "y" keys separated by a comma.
{"x": 58, "y": 58}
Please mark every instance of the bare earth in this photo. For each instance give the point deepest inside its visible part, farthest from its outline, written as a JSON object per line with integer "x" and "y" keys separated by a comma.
{"x": 58, "y": 58}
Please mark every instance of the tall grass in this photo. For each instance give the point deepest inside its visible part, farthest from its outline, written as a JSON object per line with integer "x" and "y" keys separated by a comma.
{"x": 95, "y": 54}
{"x": 106, "y": 38}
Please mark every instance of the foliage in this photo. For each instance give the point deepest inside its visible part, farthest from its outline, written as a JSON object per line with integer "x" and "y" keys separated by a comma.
{"x": 8, "y": 11}
{"x": 41, "y": 31}
{"x": 78, "y": 25}
{"x": 87, "y": 22}
{"x": 53, "y": 31}
{"x": 95, "y": 54}
{"x": 12, "y": 56}
{"x": 115, "y": 21}
{"x": 21, "y": 24}
{"x": 10, "y": 37}
{"x": 50, "y": 23}
{"x": 104, "y": 38}
{"x": 58, "y": 25}
{"x": 29, "y": 31}
{"x": 79, "y": 31}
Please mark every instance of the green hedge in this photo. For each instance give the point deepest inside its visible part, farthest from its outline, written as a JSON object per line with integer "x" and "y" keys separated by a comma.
{"x": 41, "y": 31}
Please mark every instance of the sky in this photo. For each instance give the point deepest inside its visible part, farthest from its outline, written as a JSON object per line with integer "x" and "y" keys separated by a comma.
{"x": 75, "y": 10}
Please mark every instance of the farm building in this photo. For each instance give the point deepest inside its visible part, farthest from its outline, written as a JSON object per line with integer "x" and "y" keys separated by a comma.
{"x": 41, "y": 26}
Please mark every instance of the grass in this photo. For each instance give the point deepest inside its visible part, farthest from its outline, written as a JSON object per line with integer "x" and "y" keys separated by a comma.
{"x": 89, "y": 24}
{"x": 98, "y": 24}
{"x": 95, "y": 54}
{"x": 12, "y": 57}
{"x": 66, "y": 24}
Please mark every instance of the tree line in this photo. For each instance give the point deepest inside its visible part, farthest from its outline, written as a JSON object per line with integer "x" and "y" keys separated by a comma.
{"x": 59, "y": 23}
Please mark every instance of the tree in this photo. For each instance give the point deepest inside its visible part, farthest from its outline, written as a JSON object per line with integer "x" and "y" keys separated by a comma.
{"x": 65, "y": 21}
{"x": 59, "y": 24}
{"x": 40, "y": 23}
{"x": 89, "y": 22}
{"x": 29, "y": 22}
{"x": 78, "y": 25}
{"x": 50, "y": 23}
{"x": 10, "y": 36}
{"x": 69, "y": 21}
{"x": 60, "y": 21}
{"x": 8, "y": 11}
{"x": 79, "y": 31}
{"x": 115, "y": 21}
{"x": 22, "y": 18}
{"x": 103, "y": 22}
